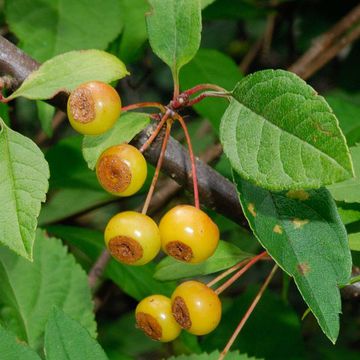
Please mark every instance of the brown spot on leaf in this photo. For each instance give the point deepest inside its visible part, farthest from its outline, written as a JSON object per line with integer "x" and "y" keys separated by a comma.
{"x": 303, "y": 268}
{"x": 301, "y": 195}
{"x": 277, "y": 229}
{"x": 82, "y": 106}
{"x": 179, "y": 251}
{"x": 181, "y": 313}
{"x": 320, "y": 127}
{"x": 149, "y": 325}
{"x": 251, "y": 208}
{"x": 298, "y": 223}
{"x": 125, "y": 249}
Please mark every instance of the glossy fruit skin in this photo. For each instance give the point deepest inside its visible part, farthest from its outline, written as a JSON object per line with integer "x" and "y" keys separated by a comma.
{"x": 93, "y": 108}
{"x": 159, "y": 308}
{"x": 203, "y": 306}
{"x": 191, "y": 227}
{"x": 121, "y": 170}
{"x": 134, "y": 231}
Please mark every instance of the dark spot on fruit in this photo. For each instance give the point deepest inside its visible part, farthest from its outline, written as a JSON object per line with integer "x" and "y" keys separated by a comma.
{"x": 149, "y": 325}
{"x": 113, "y": 173}
{"x": 181, "y": 313}
{"x": 125, "y": 249}
{"x": 82, "y": 106}
{"x": 179, "y": 251}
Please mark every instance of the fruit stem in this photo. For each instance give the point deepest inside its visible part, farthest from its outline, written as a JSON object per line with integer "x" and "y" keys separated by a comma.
{"x": 143, "y": 105}
{"x": 248, "y": 313}
{"x": 192, "y": 159}
{"x": 158, "y": 167}
{"x": 227, "y": 272}
{"x": 202, "y": 87}
{"x": 207, "y": 94}
{"x": 242, "y": 271}
{"x": 155, "y": 132}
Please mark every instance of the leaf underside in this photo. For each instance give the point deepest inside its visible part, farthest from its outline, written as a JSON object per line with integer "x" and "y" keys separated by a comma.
{"x": 303, "y": 233}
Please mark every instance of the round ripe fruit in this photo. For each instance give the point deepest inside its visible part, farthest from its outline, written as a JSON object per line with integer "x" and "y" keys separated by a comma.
{"x": 188, "y": 234}
{"x": 154, "y": 317}
{"x": 132, "y": 238}
{"x": 121, "y": 170}
{"x": 196, "y": 307}
{"x": 93, "y": 108}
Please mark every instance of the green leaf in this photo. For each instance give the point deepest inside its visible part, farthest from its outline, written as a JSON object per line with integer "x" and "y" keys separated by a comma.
{"x": 134, "y": 34}
{"x": 205, "y": 3}
{"x": 24, "y": 177}
{"x": 12, "y": 349}
{"x": 47, "y": 28}
{"x": 211, "y": 67}
{"x": 354, "y": 241}
{"x": 174, "y": 29}
{"x": 67, "y": 71}
{"x": 30, "y": 290}
{"x": 303, "y": 233}
{"x": 68, "y": 202}
{"x": 46, "y": 114}
{"x": 128, "y": 125}
{"x": 232, "y": 355}
{"x": 136, "y": 281}
{"x": 279, "y": 134}
{"x": 226, "y": 255}
{"x": 66, "y": 339}
{"x": 349, "y": 190}
{"x": 347, "y": 111}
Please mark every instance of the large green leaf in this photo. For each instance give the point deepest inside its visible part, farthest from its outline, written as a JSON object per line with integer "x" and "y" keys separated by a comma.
{"x": 279, "y": 134}
{"x": 12, "y": 349}
{"x": 63, "y": 25}
{"x": 66, "y": 339}
{"x": 66, "y": 71}
{"x": 303, "y": 233}
{"x": 29, "y": 291}
{"x": 174, "y": 29}
{"x": 349, "y": 190}
{"x": 24, "y": 177}
{"x": 212, "y": 67}
{"x": 136, "y": 281}
{"x": 226, "y": 255}
{"x": 128, "y": 125}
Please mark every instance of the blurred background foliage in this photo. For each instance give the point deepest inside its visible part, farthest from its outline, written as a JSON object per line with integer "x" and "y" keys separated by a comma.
{"x": 278, "y": 32}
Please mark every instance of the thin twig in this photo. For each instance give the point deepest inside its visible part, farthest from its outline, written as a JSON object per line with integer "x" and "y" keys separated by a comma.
{"x": 158, "y": 167}
{"x": 248, "y": 313}
{"x": 325, "y": 41}
{"x": 229, "y": 282}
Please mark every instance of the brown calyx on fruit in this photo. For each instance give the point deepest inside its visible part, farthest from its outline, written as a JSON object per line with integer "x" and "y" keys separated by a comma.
{"x": 179, "y": 251}
{"x": 114, "y": 174}
{"x": 149, "y": 325}
{"x": 82, "y": 106}
{"x": 181, "y": 313}
{"x": 125, "y": 249}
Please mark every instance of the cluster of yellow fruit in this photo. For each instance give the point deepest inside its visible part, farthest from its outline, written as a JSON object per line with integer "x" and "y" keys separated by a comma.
{"x": 185, "y": 232}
